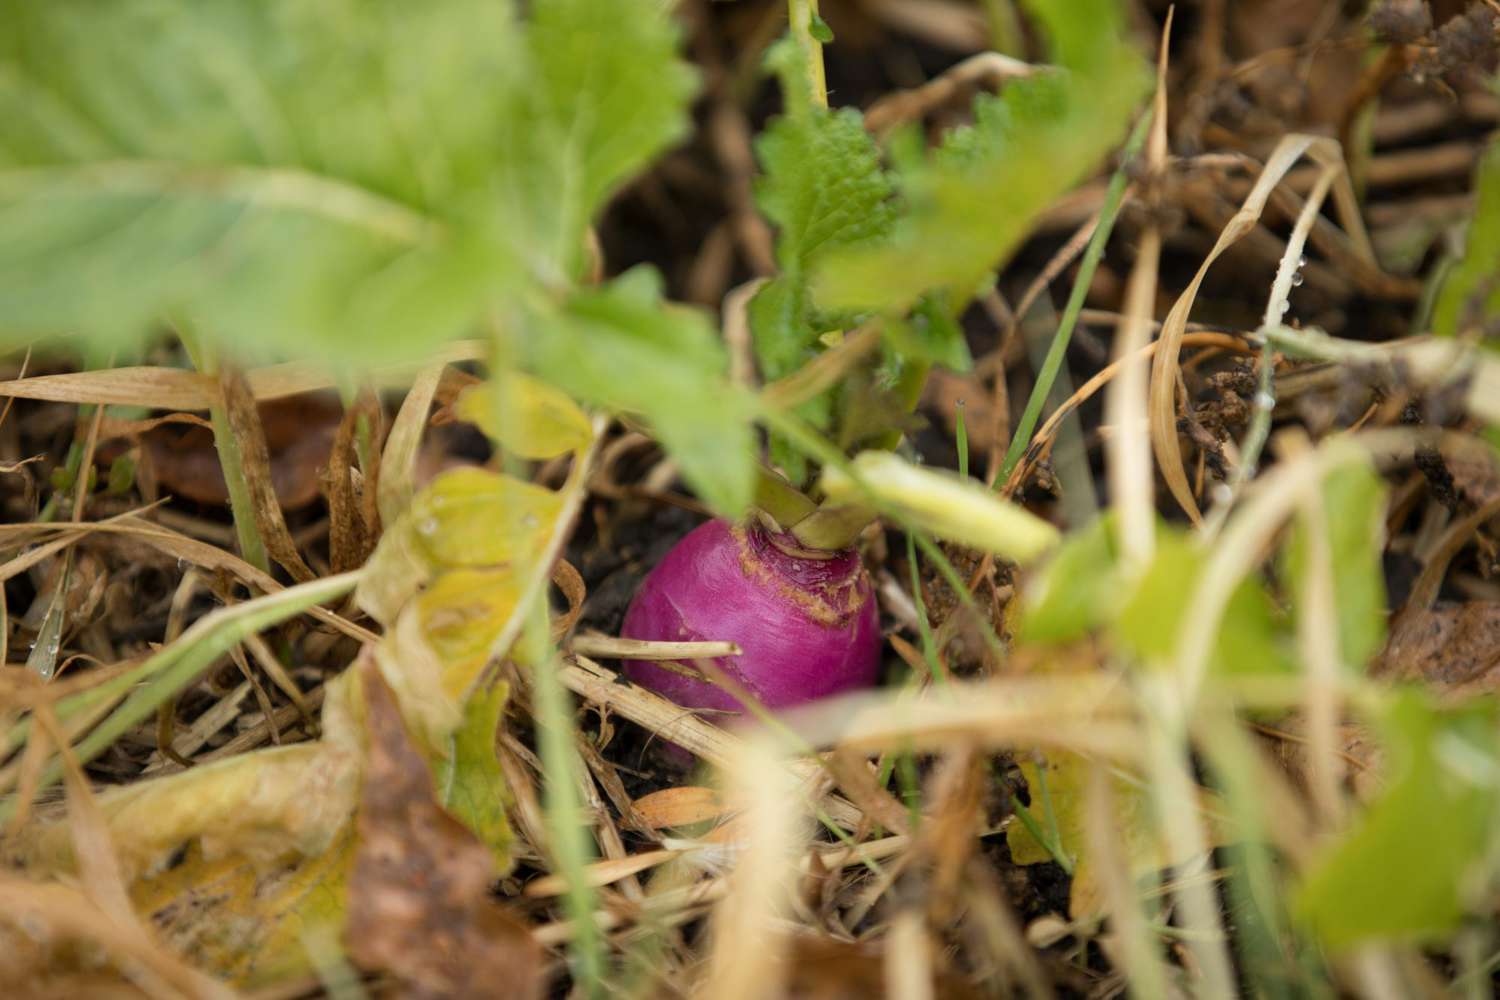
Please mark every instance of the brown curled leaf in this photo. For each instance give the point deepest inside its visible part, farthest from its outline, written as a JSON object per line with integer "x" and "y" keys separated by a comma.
{"x": 419, "y": 901}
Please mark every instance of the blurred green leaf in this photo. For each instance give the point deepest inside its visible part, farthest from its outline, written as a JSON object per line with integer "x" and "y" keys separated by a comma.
{"x": 352, "y": 178}
{"x": 973, "y": 201}
{"x": 621, "y": 346}
{"x": 1250, "y": 640}
{"x": 1470, "y": 298}
{"x": 1354, "y": 530}
{"x": 1077, "y": 591}
{"x": 1415, "y": 862}
{"x": 937, "y": 501}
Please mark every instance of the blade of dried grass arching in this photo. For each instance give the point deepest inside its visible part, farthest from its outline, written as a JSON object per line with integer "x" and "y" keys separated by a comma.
{"x": 1165, "y": 368}
{"x": 761, "y": 888}
{"x": 398, "y": 462}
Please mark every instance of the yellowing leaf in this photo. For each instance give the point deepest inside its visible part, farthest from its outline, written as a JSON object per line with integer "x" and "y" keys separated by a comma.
{"x": 529, "y": 418}
{"x": 248, "y": 922}
{"x": 441, "y": 643}
{"x": 464, "y": 518}
{"x": 956, "y": 509}
{"x": 1059, "y": 808}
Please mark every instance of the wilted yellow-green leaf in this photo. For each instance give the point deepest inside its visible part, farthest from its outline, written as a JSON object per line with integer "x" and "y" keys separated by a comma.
{"x": 529, "y": 418}
{"x": 464, "y": 518}
{"x": 957, "y": 509}
{"x": 247, "y": 922}
{"x": 1060, "y": 808}
{"x": 258, "y": 805}
{"x": 441, "y": 643}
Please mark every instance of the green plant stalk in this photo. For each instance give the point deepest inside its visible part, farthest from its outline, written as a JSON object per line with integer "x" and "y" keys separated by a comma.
{"x": 929, "y": 646}
{"x": 962, "y": 434}
{"x": 566, "y": 829}
{"x": 1058, "y": 350}
{"x": 252, "y": 549}
{"x": 173, "y": 668}
{"x": 1054, "y": 847}
{"x": 801, "y": 14}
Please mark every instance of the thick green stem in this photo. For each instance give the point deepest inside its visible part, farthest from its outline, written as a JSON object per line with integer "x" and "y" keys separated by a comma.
{"x": 833, "y": 526}
{"x": 252, "y": 549}
{"x": 803, "y": 15}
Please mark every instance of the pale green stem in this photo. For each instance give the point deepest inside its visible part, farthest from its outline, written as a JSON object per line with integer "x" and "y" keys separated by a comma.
{"x": 252, "y": 549}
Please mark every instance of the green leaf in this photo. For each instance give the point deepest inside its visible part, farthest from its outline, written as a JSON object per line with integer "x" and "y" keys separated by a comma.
{"x": 470, "y": 783}
{"x": 1470, "y": 297}
{"x": 607, "y": 93}
{"x": 1079, "y": 589}
{"x": 823, "y": 188}
{"x": 973, "y": 201}
{"x": 356, "y": 179}
{"x": 1415, "y": 862}
{"x": 620, "y": 346}
{"x": 1353, "y": 505}
{"x": 273, "y": 174}
{"x": 1251, "y": 640}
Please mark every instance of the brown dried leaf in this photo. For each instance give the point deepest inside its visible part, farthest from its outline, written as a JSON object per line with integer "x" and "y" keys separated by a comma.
{"x": 419, "y": 902}
{"x": 682, "y": 805}
{"x": 1454, "y": 648}
{"x": 299, "y": 433}
{"x": 255, "y": 457}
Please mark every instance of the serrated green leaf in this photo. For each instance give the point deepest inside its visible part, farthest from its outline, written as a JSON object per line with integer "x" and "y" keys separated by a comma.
{"x": 1470, "y": 297}
{"x": 1410, "y": 868}
{"x": 972, "y": 202}
{"x": 1353, "y": 504}
{"x": 823, "y": 188}
{"x": 607, "y": 93}
{"x": 356, "y": 179}
{"x": 621, "y": 346}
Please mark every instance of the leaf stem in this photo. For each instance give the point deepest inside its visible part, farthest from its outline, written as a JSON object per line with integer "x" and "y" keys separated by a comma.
{"x": 802, "y": 15}
{"x": 252, "y": 549}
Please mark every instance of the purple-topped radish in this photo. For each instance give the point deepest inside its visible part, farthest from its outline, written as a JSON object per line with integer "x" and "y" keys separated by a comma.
{"x": 804, "y": 619}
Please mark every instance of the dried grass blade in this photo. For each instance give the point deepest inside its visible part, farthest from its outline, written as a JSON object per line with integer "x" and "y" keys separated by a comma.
{"x": 1166, "y": 365}
{"x": 244, "y": 424}
{"x": 398, "y": 462}
{"x": 761, "y": 888}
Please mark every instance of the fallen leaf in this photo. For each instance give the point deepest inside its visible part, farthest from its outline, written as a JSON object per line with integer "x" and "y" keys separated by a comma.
{"x": 299, "y": 434}
{"x": 527, "y": 416}
{"x": 419, "y": 901}
{"x": 1144, "y": 849}
{"x": 1452, "y": 648}
{"x": 682, "y": 805}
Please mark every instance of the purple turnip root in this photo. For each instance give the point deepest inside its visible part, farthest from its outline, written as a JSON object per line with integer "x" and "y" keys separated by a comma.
{"x": 805, "y": 620}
